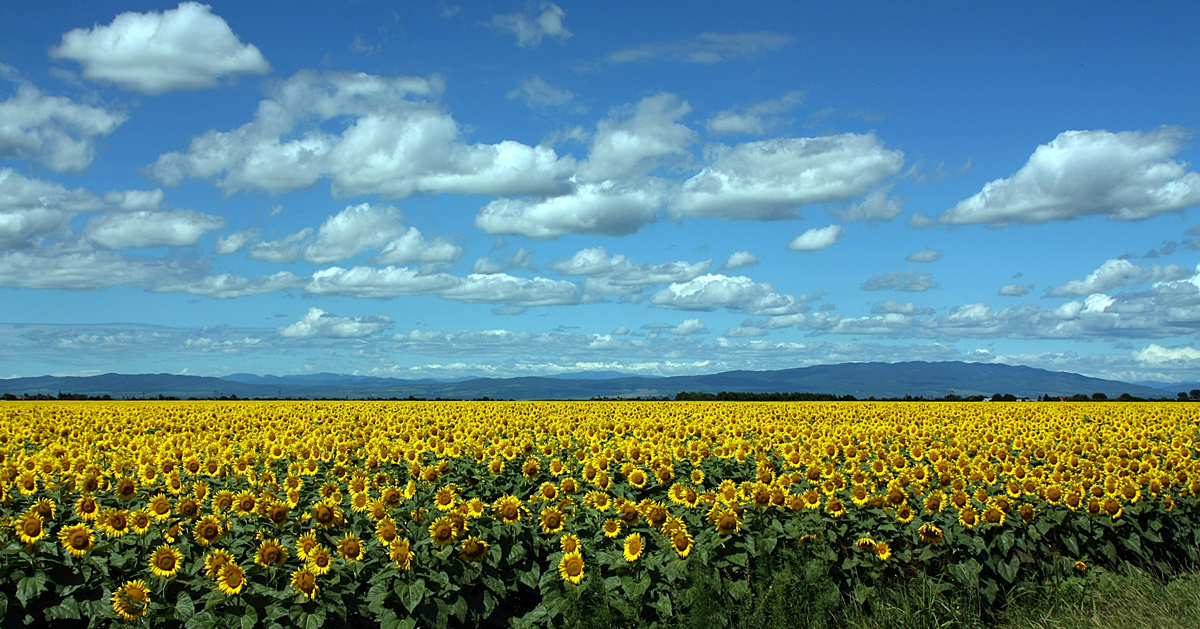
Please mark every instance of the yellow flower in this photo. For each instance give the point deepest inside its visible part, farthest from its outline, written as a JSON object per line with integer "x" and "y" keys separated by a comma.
{"x": 77, "y": 540}
{"x": 442, "y": 532}
{"x": 682, "y": 542}
{"x": 350, "y": 548}
{"x": 633, "y": 547}
{"x": 883, "y": 551}
{"x": 165, "y": 561}
{"x": 305, "y": 582}
{"x": 570, "y": 567}
{"x": 612, "y": 528}
{"x": 728, "y": 522}
{"x": 29, "y": 527}
{"x": 569, "y": 543}
{"x": 552, "y": 520}
{"x": 131, "y": 600}
{"x": 231, "y": 579}
{"x": 931, "y": 534}
{"x": 270, "y": 554}
{"x": 215, "y": 562}
{"x": 319, "y": 560}
{"x": 305, "y": 544}
{"x": 400, "y": 552}
{"x": 208, "y": 530}
{"x": 473, "y": 549}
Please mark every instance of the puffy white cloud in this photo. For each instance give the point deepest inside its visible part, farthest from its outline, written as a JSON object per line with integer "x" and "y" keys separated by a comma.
{"x": 817, "y": 238}
{"x": 770, "y": 179}
{"x": 908, "y": 281}
{"x": 234, "y": 242}
{"x": 690, "y": 327}
{"x": 536, "y": 92}
{"x": 230, "y": 286}
{"x": 622, "y": 271}
{"x": 891, "y": 306}
{"x": 354, "y": 230}
{"x": 378, "y": 283}
{"x": 413, "y": 247}
{"x": 185, "y": 48}
{"x": 176, "y": 228}
{"x": 318, "y": 323}
{"x": 534, "y": 25}
{"x": 924, "y": 255}
{"x": 1155, "y": 354}
{"x": 1117, "y": 273}
{"x": 920, "y": 221}
{"x": 704, "y": 48}
{"x": 877, "y": 206}
{"x": 286, "y": 249}
{"x": 633, "y": 141}
{"x": 31, "y": 209}
{"x": 394, "y": 143}
{"x": 621, "y": 331}
{"x": 744, "y": 332}
{"x": 758, "y": 119}
{"x": 509, "y": 289}
{"x": 738, "y": 260}
{"x": 136, "y": 200}
{"x": 1014, "y": 290}
{"x": 1125, "y": 176}
{"x": 53, "y": 130}
{"x": 77, "y": 266}
{"x": 738, "y": 293}
{"x": 607, "y": 208}
{"x": 521, "y": 259}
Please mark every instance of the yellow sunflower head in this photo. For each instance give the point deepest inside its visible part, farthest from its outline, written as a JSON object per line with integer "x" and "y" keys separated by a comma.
{"x": 570, "y": 567}
{"x": 350, "y": 547}
{"x": 231, "y": 578}
{"x": 304, "y": 580}
{"x": 473, "y": 549}
{"x": 442, "y": 532}
{"x": 131, "y": 600}
{"x": 633, "y": 547}
{"x": 165, "y": 561}
{"x": 77, "y": 540}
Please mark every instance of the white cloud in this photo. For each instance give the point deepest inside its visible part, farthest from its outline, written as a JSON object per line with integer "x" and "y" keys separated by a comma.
{"x": 908, "y": 281}
{"x": 176, "y": 228}
{"x": 704, "y": 48}
{"x": 378, "y": 283}
{"x": 521, "y": 259}
{"x": 622, "y": 271}
{"x": 920, "y": 221}
{"x": 744, "y": 332}
{"x": 770, "y": 179}
{"x": 413, "y": 247}
{"x": 318, "y": 323}
{"x": 1117, "y": 273}
{"x": 738, "y": 293}
{"x": 186, "y": 48}
{"x": 817, "y": 238}
{"x": 394, "y": 142}
{"x": 356, "y": 229}
{"x": 607, "y": 208}
{"x": 235, "y": 242}
{"x": 738, "y": 260}
{"x": 531, "y": 27}
{"x": 1125, "y": 176}
{"x": 135, "y": 200}
{"x": 536, "y": 92}
{"x": 621, "y": 331}
{"x": 1157, "y": 355}
{"x": 509, "y": 289}
{"x": 1014, "y": 290}
{"x": 690, "y": 327}
{"x": 877, "y": 206}
{"x": 53, "y": 130}
{"x": 77, "y": 266}
{"x": 891, "y": 306}
{"x": 632, "y": 141}
{"x": 229, "y": 286}
{"x": 286, "y": 249}
{"x": 924, "y": 255}
{"x": 31, "y": 209}
{"x": 758, "y": 119}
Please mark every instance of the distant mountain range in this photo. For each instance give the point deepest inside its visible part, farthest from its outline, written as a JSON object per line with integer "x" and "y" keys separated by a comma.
{"x": 861, "y": 380}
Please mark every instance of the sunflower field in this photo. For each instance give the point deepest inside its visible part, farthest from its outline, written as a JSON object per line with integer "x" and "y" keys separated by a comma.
{"x": 404, "y": 514}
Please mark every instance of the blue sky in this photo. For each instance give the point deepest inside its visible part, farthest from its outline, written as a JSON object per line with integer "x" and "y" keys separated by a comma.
{"x": 527, "y": 188}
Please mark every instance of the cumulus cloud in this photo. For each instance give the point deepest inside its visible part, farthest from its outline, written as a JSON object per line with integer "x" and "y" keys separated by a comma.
{"x": 32, "y": 209}
{"x": 176, "y": 228}
{"x": 186, "y": 48}
{"x": 738, "y": 260}
{"x": 534, "y": 25}
{"x": 356, "y": 229}
{"x": 877, "y": 206}
{"x": 1014, "y": 290}
{"x": 690, "y": 327}
{"x": 620, "y": 270}
{"x": 1125, "y": 176}
{"x": 1157, "y": 355}
{"x": 908, "y": 281}
{"x": 318, "y": 323}
{"x": 631, "y": 141}
{"x": 521, "y": 259}
{"x": 52, "y": 130}
{"x": 758, "y": 119}
{"x": 286, "y": 249}
{"x": 924, "y": 255}
{"x": 607, "y": 209}
{"x": 704, "y": 48}
{"x": 230, "y": 286}
{"x": 235, "y": 242}
{"x": 77, "y": 266}
{"x": 817, "y": 238}
{"x": 1117, "y": 273}
{"x": 135, "y": 200}
{"x": 737, "y": 293}
{"x": 377, "y": 283}
{"x": 770, "y": 179}
{"x": 509, "y": 289}
{"x": 413, "y": 247}
{"x": 536, "y": 92}
{"x": 891, "y": 306}
{"x": 394, "y": 141}
{"x": 920, "y": 221}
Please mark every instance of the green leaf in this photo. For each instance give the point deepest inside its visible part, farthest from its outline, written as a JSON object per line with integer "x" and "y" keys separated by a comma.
{"x": 1008, "y": 569}
{"x": 203, "y": 620}
{"x": 1134, "y": 543}
{"x": 1072, "y": 545}
{"x": 517, "y": 553}
{"x": 66, "y": 609}
{"x": 459, "y": 608}
{"x": 768, "y": 544}
{"x": 862, "y": 593}
{"x": 315, "y": 620}
{"x": 416, "y": 593}
{"x": 663, "y": 605}
{"x": 3, "y": 605}
{"x": 184, "y": 607}
{"x": 739, "y": 559}
{"x": 29, "y": 587}
{"x": 1007, "y": 539}
{"x": 739, "y": 590}
{"x": 990, "y": 589}
{"x": 530, "y": 577}
{"x": 496, "y": 585}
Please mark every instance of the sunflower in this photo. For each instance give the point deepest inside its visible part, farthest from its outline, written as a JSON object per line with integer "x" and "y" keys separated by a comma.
{"x": 905, "y": 513}
{"x": 569, "y": 543}
{"x": 883, "y": 551}
{"x": 865, "y": 544}
{"x": 139, "y": 521}
{"x": 835, "y": 507}
{"x": 208, "y": 530}
{"x": 304, "y": 580}
{"x": 231, "y": 578}
{"x": 165, "y": 561}
{"x": 360, "y": 501}
{"x": 475, "y": 507}
{"x": 45, "y": 507}
{"x": 188, "y": 508}
{"x": 386, "y": 531}
{"x": 968, "y": 516}
{"x": 278, "y": 513}
{"x": 114, "y": 522}
{"x": 496, "y": 466}
{"x": 548, "y": 491}
{"x": 87, "y": 508}
{"x": 350, "y": 548}
{"x": 29, "y": 527}
{"x": 444, "y": 498}
{"x": 326, "y": 515}
{"x": 994, "y": 516}
{"x": 508, "y": 509}
{"x": 727, "y": 522}
{"x": 27, "y": 483}
{"x": 570, "y": 568}
{"x": 442, "y": 532}
{"x": 931, "y": 534}
{"x": 305, "y": 544}
{"x": 77, "y": 540}
{"x": 569, "y": 486}
{"x": 319, "y": 560}
{"x": 126, "y": 489}
{"x": 612, "y": 528}
{"x": 1112, "y": 507}
{"x": 400, "y": 551}
{"x": 215, "y": 562}
{"x": 160, "y": 507}
{"x": 655, "y": 513}
{"x": 222, "y": 501}
{"x": 552, "y": 520}
{"x": 633, "y": 547}
{"x": 131, "y": 600}
{"x": 270, "y": 553}
{"x": 682, "y": 542}
{"x": 1081, "y": 566}
{"x": 697, "y": 477}
{"x": 473, "y": 549}
{"x": 637, "y": 478}
{"x": 935, "y": 501}
{"x": 628, "y": 512}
